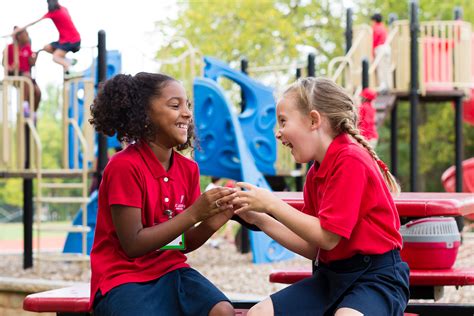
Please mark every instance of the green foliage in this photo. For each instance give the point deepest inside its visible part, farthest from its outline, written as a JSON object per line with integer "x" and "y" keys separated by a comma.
{"x": 429, "y": 10}
{"x": 282, "y": 32}
{"x": 265, "y": 32}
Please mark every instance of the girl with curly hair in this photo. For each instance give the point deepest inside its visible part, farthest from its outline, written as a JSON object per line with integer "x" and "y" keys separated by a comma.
{"x": 150, "y": 203}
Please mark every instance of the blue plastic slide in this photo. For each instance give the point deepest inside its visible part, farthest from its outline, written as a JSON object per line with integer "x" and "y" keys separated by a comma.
{"x": 223, "y": 151}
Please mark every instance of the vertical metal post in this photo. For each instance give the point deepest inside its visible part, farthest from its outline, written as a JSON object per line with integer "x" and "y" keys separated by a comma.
{"x": 311, "y": 73}
{"x": 348, "y": 32}
{"x": 27, "y": 207}
{"x": 394, "y": 140}
{"x": 298, "y": 179}
{"x": 101, "y": 77}
{"x": 414, "y": 99}
{"x": 311, "y": 65}
{"x": 244, "y": 65}
{"x": 459, "y": 143}
{"x": 365, "y": 73}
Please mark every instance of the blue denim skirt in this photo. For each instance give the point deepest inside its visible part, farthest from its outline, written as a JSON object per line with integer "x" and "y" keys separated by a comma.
{"x": 180, "y": 292}
{"x": 370, "y": 284}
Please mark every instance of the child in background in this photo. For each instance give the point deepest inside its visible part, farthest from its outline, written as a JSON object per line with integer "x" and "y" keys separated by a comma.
{"x": 379, "y": 48}
{"x": 367, "y": 120}
{"x": 150, "y": 196}
{"x": 69, "y": 37}
{"x": 20, "y": 60}
{"x": 213, "y": 184}
{"x": 348, "y": 225}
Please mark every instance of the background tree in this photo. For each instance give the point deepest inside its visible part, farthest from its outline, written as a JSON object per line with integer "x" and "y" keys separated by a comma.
{"x": 265, "y": 32}
{"x": 279, "y": 32}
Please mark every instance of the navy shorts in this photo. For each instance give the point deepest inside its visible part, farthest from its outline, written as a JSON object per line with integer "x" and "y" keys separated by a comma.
{"x": 180, "y": 292}
{"x": 68, "y": 47}
{"x": 370, "y": 284}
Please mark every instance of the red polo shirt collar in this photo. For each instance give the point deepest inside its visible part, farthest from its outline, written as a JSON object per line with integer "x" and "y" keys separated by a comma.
{"x": 152, "y": 162}
{"x": 339, "y": 141}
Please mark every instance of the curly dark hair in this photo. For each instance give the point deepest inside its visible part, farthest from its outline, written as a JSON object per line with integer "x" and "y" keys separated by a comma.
{"x": 121, "y": 107}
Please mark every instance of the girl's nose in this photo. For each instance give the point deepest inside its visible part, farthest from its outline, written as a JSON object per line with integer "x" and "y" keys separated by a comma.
{"x": 187, "y": 112}
{"x": 278, "y": 135}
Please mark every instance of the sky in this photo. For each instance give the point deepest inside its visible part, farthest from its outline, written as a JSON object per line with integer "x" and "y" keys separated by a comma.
{"x": 129, "y": 27}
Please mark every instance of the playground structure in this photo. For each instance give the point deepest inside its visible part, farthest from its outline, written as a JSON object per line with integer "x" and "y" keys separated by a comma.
{"x": 445, "y": 74}
{"x": 444, "y": 87}
{"x": 447, "y": 42}
{"x": 430, "y": 62}
{"x": 22, "y": 158}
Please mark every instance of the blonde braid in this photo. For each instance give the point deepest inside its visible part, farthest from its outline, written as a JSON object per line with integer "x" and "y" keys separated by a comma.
{"x": 389, "y": 179}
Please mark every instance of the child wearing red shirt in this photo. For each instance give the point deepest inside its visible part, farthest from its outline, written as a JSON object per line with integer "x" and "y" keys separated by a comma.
{"x": 150, "y": 203}
{"x": 367, "y": 117}
{"x": 20, "y": 60}
{"x": 382, "y": 51}
{"x": 69, "y": 38}
{"x": 349, "y": 223}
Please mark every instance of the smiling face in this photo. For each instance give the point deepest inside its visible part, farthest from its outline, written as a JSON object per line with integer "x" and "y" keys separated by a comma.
{"x": 170, "y": 115}
{"x": 295, "y": 129}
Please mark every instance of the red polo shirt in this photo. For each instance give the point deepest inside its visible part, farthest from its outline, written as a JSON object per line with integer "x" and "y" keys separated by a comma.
{"x": 134, "y": 177}
{"x": 348, "y": 195}
{"x": 24, "y": 54}
{"x": 63, "y": 22}
{"x": 379, "y": 35}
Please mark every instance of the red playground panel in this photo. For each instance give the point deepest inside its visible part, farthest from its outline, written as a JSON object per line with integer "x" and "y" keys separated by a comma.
{"x": 437, "y": 65}
{"x": 449, "y": 179}
{"x": 468, "y": 108}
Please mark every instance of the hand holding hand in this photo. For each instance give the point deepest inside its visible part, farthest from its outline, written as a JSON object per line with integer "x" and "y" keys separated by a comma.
{"x": 212, "y": 202}
{"x": 253, "y": 199}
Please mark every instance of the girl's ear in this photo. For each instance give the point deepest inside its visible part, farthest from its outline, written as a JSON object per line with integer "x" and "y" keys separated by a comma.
{"x": 315, "y": 117}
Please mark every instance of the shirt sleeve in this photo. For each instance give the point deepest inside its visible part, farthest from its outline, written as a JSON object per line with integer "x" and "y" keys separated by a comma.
{"x": 124, "y": 183}
{"x": 341, "y": 202}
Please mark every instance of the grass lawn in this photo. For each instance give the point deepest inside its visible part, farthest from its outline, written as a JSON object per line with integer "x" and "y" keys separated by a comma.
{"x": 14, "y": 231}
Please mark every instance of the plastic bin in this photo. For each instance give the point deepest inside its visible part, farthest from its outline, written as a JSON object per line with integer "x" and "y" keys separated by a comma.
{"x": 430, "y": 243}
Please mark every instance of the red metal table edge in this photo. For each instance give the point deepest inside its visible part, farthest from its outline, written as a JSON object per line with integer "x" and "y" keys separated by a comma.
{"x": 412, "y": 204}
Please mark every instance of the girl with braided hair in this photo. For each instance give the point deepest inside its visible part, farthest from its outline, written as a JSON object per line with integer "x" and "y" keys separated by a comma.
{"x": 349, "y": 223}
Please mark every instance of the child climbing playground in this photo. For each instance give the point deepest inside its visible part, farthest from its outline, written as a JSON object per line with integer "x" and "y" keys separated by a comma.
{"x": 20, "y": 60}
{"x": 69, "y": 38}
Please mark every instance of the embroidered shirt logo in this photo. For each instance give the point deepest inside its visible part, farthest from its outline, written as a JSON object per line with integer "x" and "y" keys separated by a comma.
{"x": 179, "y": 207}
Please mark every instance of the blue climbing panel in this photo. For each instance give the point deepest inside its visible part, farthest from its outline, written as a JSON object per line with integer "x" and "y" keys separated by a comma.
{"x": 223, "y": 152}
{"x": 114, "y": 66}
{"x": 257, "y": 120}
{"x": 73, "y": 242}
